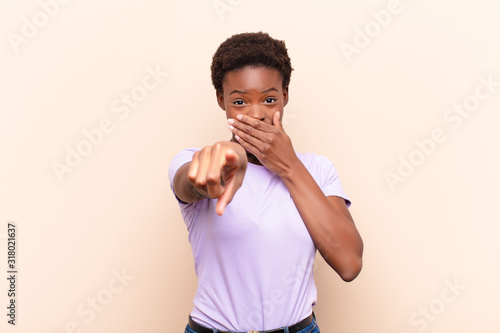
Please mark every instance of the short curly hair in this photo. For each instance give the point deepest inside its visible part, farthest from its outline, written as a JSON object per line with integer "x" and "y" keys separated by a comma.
{"x": 250, "y": 49}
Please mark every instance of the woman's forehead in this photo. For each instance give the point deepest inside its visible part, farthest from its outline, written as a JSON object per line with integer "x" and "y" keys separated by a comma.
{"x": 255, "y": 77}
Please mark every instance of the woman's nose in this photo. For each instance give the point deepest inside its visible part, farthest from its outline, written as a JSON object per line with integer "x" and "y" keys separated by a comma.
{"x": 257, "y": 111}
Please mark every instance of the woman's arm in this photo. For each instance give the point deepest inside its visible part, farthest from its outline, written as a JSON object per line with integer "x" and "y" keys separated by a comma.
{"x": 327, "y": 218}
{"x": 328, "y": 221}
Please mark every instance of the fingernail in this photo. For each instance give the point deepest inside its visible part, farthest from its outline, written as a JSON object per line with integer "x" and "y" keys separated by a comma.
{"x": 239, "y": 117}
{"x": 230, "y": 121}
{"x": 231, "y": 128}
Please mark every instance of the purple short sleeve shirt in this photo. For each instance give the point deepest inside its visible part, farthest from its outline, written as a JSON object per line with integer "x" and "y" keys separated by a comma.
{"x": 255, "y": 262}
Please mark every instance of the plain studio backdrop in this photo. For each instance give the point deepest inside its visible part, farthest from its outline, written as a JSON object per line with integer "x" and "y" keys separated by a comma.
{"x": 96, "y": 97}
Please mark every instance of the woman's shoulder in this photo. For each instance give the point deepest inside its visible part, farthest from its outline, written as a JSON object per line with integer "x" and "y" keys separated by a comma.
{"x": 311, "y": 159}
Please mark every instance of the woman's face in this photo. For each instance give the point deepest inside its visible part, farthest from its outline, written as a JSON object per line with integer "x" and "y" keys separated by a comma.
{"x": 253, "y": 91}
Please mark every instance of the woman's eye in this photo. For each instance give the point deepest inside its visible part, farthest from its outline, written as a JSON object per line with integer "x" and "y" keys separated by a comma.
{"x": 270, "y": 100}
{"x": 238, "y": 102}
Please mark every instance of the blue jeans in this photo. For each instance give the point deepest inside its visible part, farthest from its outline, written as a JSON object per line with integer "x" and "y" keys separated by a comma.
{"x": 312, "y": 328}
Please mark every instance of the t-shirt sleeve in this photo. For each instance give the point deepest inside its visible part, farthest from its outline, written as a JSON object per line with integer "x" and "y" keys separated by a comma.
{"x": 188, "y": 210}
{"x": 179, "y": 160}
{"x": 329, "y": 179}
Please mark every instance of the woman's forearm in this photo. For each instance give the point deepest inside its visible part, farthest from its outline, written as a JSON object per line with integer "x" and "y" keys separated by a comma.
{"x": 333, "y": 233}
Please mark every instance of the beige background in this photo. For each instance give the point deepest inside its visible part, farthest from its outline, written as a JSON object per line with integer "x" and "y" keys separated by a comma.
{"x": 431, "y": 249}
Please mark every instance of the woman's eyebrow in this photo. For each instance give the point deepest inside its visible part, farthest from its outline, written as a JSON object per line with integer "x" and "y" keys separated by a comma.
{"x": 245, "y": 92}
{"x": 270, "y": 89}
{"x": 238, "y": 92}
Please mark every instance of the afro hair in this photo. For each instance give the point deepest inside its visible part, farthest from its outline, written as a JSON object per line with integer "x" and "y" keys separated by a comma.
{"x": 250, "y": 49}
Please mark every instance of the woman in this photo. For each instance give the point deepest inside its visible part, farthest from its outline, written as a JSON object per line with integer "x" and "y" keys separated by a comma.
{"x": 256, "y": 210}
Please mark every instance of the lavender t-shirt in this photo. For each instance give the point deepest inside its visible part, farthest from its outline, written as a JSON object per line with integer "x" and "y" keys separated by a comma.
{"x": 255, "y": 262}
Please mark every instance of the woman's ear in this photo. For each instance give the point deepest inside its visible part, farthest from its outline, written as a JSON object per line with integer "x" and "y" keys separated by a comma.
{"x": 220, "y": 99}
{"x": 285, "y": 96}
